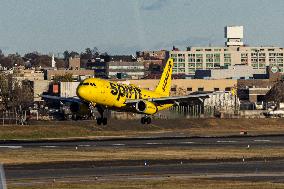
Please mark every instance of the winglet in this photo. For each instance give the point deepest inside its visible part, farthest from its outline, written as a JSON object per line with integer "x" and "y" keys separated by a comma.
{"x": 164, "y": 85}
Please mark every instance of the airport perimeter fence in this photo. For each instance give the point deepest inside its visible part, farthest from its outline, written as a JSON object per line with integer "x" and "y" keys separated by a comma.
{"x": 13, "y": 118}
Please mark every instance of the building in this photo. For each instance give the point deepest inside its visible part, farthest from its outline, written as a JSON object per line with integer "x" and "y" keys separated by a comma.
{"x": 234, "y": 36}
{"x": 77, "y": 75}
{"x": 208, "y": 58}
{"x": 74, "y": 63}
{"x": 99, "y": 65}
{"x": 122, "y": 58}
{"x": 233, "y": 72}
{"x": 31, "y": 74}
{"x": 187, "y": 86}
{"x": 253, "y": 90}
{"x": 151, "y": 55}
{"x": 131, "y": 70}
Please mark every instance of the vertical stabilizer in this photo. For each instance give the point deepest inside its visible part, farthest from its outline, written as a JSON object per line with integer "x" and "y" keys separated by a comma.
{"x": 164, "y": 85}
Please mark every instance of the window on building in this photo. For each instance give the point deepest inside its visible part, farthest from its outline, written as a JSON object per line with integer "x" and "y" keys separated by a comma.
{"x": 191, "y": 65}
{"x": 199, "y": 60}
{"x": 216, "y": 89}
{"x": 199, "y": 65}
{"x": 191, "y": 60}
{"x": 181, "y": 65}
{"x": 228, "y": 89}
{"x": 189, "y": 88}
{"x": 200, "y": 89}
{"x": 173, "y": 89}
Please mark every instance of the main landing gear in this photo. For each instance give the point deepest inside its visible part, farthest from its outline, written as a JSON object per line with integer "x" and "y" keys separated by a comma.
{"x": 102, "y": 119}
{"x": 146, "y": 120}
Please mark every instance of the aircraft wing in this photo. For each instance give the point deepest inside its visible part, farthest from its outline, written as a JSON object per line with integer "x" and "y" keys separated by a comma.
{"x": 62, "y": 99}
{"x": 173, "y": 99}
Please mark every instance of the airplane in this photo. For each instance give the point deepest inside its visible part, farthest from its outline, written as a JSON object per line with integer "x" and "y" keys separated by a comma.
{"x": 104, "y": 94}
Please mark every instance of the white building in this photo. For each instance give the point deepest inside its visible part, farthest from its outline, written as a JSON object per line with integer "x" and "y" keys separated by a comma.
{"x": 195, "y": 58}
{"x": 132, "y": 70}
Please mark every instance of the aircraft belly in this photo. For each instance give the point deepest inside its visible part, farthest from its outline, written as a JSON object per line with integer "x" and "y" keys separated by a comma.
{"x": 164, "y": 106}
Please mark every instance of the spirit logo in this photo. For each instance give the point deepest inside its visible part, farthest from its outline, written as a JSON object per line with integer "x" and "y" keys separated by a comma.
{"x": 167, "y": 77}
{"x": 125, "y": 91}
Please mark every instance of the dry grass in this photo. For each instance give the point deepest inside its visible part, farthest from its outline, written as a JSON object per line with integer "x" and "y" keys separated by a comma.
{"x": 19, "y": 156}
{"x": 132, "y": 128}
{"x": 171, "y": 183}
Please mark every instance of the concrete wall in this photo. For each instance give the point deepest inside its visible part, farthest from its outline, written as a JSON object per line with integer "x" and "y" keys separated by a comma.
{"x": 68, "y": 89}
{"x": 40, "y": 86}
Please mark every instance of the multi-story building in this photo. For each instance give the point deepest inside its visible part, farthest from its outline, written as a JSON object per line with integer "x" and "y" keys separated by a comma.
{"x": 77, "y": 75}
{"x": 133, "y": 70}
{"x": 74, "y": 63}
{"x": 151, "y": 55}
{"x": 207, "y": 58}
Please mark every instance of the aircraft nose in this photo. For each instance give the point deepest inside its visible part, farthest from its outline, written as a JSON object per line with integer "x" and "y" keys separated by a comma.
{"x": 81, "y": 92}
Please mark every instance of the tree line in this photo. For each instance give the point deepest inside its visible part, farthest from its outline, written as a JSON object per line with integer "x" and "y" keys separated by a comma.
{"x": 36, "y": 59}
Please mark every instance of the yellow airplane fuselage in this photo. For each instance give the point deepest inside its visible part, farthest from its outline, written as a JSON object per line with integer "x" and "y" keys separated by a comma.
{"x": 113, "y": 95}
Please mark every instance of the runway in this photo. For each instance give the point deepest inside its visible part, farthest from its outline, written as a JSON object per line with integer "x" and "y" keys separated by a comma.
{"x": 234, "y": 141}
{"x": 259, "y": 170}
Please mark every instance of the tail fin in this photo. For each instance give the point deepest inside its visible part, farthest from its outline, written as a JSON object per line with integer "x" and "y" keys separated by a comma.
{"x": 164, "y": 85}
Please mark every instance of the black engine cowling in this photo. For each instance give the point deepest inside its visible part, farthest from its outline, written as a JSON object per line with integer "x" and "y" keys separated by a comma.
{"x": 146, "y": 107}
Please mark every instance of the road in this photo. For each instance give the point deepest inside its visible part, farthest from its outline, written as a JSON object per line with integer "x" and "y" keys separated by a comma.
{"x": 234, "y": 141}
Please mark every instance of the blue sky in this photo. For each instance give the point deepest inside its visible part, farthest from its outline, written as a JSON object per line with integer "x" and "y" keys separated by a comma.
{"x": 126, "y": 26}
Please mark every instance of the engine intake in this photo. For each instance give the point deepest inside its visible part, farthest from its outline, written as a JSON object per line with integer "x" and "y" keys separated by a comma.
{"x": 146, "y": 107}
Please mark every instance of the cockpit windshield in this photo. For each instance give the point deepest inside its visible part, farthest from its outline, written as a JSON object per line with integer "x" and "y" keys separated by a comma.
{"x": 92, "y": 84}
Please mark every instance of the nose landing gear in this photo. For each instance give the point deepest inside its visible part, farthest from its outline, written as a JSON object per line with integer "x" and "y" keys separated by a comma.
{"x": 146, "y": 120}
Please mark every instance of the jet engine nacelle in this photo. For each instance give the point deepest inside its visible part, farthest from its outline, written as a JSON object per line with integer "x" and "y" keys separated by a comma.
{"x": 146, "y": 107}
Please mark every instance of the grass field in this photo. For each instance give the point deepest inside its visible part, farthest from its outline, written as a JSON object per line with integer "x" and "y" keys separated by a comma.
{"x": 19, "y": 156}
{"x": 132, "y": 128}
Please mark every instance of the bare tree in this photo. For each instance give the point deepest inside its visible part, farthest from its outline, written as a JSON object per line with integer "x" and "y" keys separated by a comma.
{"x": 15, "y": 93}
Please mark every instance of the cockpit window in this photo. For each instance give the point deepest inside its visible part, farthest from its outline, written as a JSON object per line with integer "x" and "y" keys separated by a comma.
{"x": 92, "y": 84}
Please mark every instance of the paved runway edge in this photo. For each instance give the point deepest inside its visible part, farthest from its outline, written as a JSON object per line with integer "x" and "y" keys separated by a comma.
{"x": 81, "y": 164}
{"x": 14, "y": 141}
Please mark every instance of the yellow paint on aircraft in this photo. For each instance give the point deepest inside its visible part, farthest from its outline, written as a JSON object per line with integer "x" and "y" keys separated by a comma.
{"x": 113, "y": 95}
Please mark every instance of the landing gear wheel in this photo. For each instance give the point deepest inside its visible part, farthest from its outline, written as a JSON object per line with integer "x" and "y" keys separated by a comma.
{"x": 143, "y": 120}
{"x": 99, "y": 121}
{"x": 148, "y": 120}
{"x": 104, "y": 121}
